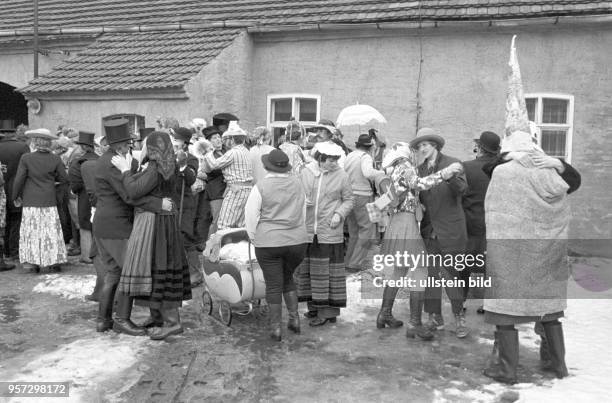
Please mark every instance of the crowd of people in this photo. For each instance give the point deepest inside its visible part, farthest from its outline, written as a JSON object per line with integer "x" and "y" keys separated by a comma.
{"x": 141, "y": 208}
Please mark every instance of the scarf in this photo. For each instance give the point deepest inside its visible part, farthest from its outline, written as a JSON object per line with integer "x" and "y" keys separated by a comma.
{"x": 159, "y": 149}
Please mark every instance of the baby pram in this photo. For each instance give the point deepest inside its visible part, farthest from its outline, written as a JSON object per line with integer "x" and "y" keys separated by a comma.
{"x": 232, "y": 276}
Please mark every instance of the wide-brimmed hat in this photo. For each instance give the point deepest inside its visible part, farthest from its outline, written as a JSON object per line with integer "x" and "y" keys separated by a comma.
{"x": 41, "y": 133}
{"x": 209, "y": 131}
{"x": 234, "y": 130}
{"x": 489, "y": 141}
{"x": 364, "y": 140}
{"x": 223, "y": 119}
{"x": 86, "y": 138}
{"x": 330, "y": 149}
{"x": 117, "y": 131}
{"x": 427, "y": 134}
{"x": 183, "y": 134}
{"x": 276, "y": 161}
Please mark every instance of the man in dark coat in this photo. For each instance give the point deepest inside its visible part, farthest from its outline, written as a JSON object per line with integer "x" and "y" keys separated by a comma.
{"x": 443, "y": 228}
{"x": 487, "y": 148}
{"x": 11, "y": 151}
{"x": 112, "y": 225}
{"x": 188, "y": 168}
{"x": 86, "y": 142}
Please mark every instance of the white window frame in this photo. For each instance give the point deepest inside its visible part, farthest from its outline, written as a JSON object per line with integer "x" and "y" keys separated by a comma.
{"x": 569, "y": 126}
{"x": 294, "y": 109}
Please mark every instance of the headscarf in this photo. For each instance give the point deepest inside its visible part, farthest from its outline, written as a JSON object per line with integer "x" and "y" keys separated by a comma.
{"x": 159, "y": 149}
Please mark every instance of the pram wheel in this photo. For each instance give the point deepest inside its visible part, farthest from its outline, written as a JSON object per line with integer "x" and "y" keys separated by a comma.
{"x": 207, "y": 303}
{"x": 225, "y": 313}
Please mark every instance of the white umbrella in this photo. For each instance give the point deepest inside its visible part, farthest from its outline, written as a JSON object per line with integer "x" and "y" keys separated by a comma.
{"x": 359, "y": 115}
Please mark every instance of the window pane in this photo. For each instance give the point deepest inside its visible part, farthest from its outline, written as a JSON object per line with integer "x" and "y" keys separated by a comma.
{"x": 554, "y": 110}
{"x": 531, "y": 108}
{"x": 281, "y": 109}
{"x": 308, "y": 110}
{"x": 553, "y": 142}
{"x": 277, "y": 133}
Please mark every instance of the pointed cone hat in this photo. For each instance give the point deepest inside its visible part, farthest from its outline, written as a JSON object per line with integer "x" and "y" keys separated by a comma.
{"x": 516, "y": 110}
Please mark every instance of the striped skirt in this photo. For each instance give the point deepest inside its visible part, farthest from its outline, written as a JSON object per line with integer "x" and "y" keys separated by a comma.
{"x": 232, "y": 209}
{"x": 40, "y": 237}
{"x": 136, "y": 279}
{"x": 169, "y": 268}
{"x": 321, "y": 278}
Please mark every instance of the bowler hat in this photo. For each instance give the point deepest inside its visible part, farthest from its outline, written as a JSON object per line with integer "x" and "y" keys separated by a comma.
{"x": 117, "y": 131}
{"x": 427, "y": 134}
{"x": 364, "y": 140}
{"x": 183, "y": 134}
{"x": 223, "y": 119}
{"x": 489, "y": 141}
{"x": 86, "y": 138}
{"x": 144, "y": 132}
{"x": 209, "y": 131}
{"x": 276, "y": 161}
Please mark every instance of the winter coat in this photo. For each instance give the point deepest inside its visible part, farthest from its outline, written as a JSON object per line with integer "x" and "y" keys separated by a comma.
{"x": 36, "y": 179}
{"x": 327, "y": 192}
{"x": 527, "y": 218}
{"x": 77, "y": 185}
{"x": 473, "y": 198}
{"x": 11, "y": 151}
{"x": 189, "y": 199}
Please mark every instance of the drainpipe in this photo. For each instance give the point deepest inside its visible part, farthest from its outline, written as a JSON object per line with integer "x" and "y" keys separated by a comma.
{"x": 35, "y": 38}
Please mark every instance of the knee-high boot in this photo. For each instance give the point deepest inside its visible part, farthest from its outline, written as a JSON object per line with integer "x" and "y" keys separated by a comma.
{"x": 415, "y": 326}
{"x": 504, "y": 370}
{"x": 172, "y": 324}
{"x": 385, "y": 316}
{"x": 122, "y": 322}
{"x": 276, "y": 312}
{"x": 291, "y": 301}
{"x": 556, "y": 348}
{"x": 155, "y": 319}
{"x": 100, "y": 273}
{"x": 105, "y": 309}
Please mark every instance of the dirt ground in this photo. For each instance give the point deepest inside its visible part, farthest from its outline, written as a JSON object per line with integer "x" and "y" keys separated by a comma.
{"x": 48, "y": 334}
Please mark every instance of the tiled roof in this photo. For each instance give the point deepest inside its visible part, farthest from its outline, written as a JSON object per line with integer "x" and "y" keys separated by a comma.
{"x": 168, "y": 59}
{"x": 136, "y": 61}
{"x": 17, "y": 14}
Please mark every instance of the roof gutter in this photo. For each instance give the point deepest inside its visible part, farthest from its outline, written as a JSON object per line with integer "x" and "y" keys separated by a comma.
{"x": 254, "y": 26}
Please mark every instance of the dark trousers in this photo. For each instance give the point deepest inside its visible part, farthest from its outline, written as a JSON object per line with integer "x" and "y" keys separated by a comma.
{"x": 278, "y": 265}
{"x": 111, "y": 253}
{"x": 433, "y": 295}
{"x": 203, "y": 218}
{"x": 64, "y": 213}
{"x": 11, "y": 234}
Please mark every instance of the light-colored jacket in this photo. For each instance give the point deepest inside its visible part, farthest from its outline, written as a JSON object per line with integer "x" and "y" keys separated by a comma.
{"x": 360, "y": 168}
{"x": 327, "y": 192}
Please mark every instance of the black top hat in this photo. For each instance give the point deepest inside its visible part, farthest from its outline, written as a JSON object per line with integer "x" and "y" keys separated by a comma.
{"x": 364, "y": 140}
{"x": 276, "y": 161}
{"x": 489, "y": 141}
{"x": 86, "y": 138}
{"x": 209, "y": 131}
{"x": 183, "y": 133}
{"x": 144, "y": 132}
{"x": 117, "y": 131}
{"x": 223, "y": 119}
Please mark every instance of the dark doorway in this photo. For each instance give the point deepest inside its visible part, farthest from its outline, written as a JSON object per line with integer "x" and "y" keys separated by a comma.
{"x": 13, "y": 107}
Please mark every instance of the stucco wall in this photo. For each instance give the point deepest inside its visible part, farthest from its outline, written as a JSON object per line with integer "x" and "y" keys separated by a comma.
{"x": 463, "y": 85}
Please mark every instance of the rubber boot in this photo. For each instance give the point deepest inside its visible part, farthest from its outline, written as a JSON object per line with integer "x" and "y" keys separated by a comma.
{"x": 100, "y": 273}
{"x": 461, "y": 329}
{"x": 3, "y": 265}
{"x": 155, "y": 319}
{"x": 415, "y": 327}
{"x": 291, "y": 301}
{"x": 385, "y": 316}
{"x": 86, "y": 241}
{"x": 172, "y": 325}
{"x": 545, "y": 360}
{"x": 505, "y": 368}
{"x": 275, "y": 321}
{"x": 122, "y": 322}
{"x": 105, "y": 308}
{"x": 556, "y": 348}
{"x": 195, "y": 271}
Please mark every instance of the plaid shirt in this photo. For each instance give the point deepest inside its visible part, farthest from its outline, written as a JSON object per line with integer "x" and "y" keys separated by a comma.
{"x": 235, "y": 164}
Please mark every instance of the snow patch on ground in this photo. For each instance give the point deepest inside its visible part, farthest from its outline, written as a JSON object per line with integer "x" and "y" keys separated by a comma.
{"x": 91, "y": 365}
{"x": 354, "y": 311}
{"x": 67, "y": 286}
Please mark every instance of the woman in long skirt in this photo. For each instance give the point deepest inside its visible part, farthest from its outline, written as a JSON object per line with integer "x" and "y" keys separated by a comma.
{"x": 155, "y": 270}
{"x": 403, "y": 233}
{"x": 41, "y": 243}
{"x": 329, "y": 199}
